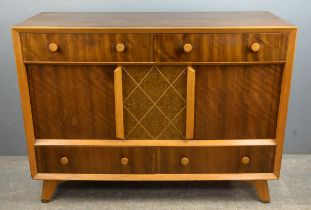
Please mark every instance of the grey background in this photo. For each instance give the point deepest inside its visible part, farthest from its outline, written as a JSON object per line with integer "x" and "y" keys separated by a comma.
{"x": 298, "y": 12}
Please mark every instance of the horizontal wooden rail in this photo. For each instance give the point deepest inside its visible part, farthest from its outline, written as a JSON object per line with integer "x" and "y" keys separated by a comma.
{"x": 155, "y": 63}
{"x": 141, "y": 143}
{"x": 156, "y": 177}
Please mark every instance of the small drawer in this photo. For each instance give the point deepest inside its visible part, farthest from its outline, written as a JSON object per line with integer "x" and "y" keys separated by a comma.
{"x": 230, "y": 159}
{"x": 95, "y": 160}
{"x": 87, "y": 47}
{"x": 237, "y": 47}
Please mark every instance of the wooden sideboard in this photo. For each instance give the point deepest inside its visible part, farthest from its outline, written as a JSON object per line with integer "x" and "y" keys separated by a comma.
{"x": 154, "y": 96}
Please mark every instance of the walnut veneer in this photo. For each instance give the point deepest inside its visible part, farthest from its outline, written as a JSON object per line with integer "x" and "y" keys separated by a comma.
{"x": 154, "y": 96}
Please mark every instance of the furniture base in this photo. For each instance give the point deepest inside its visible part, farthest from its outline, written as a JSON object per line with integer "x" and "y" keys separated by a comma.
{"x": 49, "y": 188}
{"x": 262, "y": 190}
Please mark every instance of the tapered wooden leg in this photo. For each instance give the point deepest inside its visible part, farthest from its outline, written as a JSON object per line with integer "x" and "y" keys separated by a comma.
{"x": 262, "y": 189}
{"x": 48, "y": 189}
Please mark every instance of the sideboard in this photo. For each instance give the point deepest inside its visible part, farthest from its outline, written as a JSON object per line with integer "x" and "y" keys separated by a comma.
{"x": 154, "y": 96}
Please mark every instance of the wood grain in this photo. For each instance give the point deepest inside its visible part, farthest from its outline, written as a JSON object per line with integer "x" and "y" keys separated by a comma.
{"x": 72, "y": 101}
{"x": 98, "y": 160}
{"x": 216, "y": 159}
{"x": 161, "y": 160}
{"x": 237, "y": 102}
{"x": 25, "y": 102}
{"x": 230, "y": 47}
{"x": 161, "y": 20}
{"x": 70, "y": 95}
{"x": 86, "y": 47}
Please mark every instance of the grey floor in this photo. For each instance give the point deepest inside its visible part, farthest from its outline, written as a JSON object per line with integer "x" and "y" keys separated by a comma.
{"x": 292, "y": 191}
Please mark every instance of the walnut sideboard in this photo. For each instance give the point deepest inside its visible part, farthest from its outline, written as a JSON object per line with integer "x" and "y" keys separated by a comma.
{"x": 154, "y": 96}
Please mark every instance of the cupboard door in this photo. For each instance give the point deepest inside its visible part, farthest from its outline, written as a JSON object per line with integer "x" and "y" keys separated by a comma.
{"x": 237, "y": 102}
{"x": 72, "y": 102}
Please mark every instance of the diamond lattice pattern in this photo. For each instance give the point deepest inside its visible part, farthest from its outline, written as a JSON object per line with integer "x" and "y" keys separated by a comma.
{"x": 154, "y": 102}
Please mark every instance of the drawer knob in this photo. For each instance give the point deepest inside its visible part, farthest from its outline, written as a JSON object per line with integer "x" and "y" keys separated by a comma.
{"x": 124, "y": 161}
{"x": 187, "y": 48}
{"x": 120, "y": 47}
{"x": 184, "y": 161}
{"x": 64, "y": 161}
{"x": 53, "y": 47}
{"x": 245, "y": 160}
{"x": 255, "y": 47}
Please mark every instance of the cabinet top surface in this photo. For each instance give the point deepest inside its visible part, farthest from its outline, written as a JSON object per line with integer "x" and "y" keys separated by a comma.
{"x": 160, "y": 20}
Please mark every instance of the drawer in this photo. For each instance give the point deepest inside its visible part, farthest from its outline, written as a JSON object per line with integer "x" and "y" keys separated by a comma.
{"x": 87, "y": 47}
{"x": 236, "y": 47}
{"x": 92, "y": 160}
{"x": 230, "y": 159}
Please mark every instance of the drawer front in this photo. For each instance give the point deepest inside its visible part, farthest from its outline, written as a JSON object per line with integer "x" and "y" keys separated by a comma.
{"x": 87, "y": 47}
{"x": 230, "y": 159}
{"x": 95, "y": 160}
{"x": 220, "y": 47}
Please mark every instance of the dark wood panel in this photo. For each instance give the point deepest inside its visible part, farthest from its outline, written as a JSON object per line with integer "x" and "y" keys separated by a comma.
{"x": 237, "y": 102}
{"x": 220, "y": 47}
{"x": 72, "y": 101}
{"x": 87, "y": 47}
{"x": 154, "y": 19}
{"x": 103, "y": 160}
{"x": 217, "y": 159}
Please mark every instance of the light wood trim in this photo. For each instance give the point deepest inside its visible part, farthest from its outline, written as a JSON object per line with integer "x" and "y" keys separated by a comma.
{"x": 284, "y": 97}
{"x": 154, "y": 63}
{"x": 143, "y": 143}
{"x": 190, "y": 102}
{"x": 249, "y": 29}
{"x": 48, "y": 190}
{"x": 262, "y": 189}
{"x": 25, "y": 102}
{"x": 156, "y": 177}
{"x": 118, "y": 102}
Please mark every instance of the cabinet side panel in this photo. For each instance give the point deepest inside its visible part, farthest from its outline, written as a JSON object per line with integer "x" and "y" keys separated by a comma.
{"x": 72, "y": 102}
{"x": 282, "y": 115}
{"x": 237, "y": 102}
{"x": 25, "y": 102}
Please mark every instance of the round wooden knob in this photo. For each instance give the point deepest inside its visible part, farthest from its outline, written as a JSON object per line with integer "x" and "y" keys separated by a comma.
{"x": 184, "y": 161}
{"x": 255, "y": 47}
{"x": 245, "y": 160}
{"x": 124, "y": 161}
{"x": 187, "y": 48}
{"x": 53, "y": 47}
{"x": 120, "y": 47}
{"x": 64, "y": 161}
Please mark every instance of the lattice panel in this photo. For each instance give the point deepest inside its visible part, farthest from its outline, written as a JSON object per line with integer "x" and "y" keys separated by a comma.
{"x": 154, "y": 102}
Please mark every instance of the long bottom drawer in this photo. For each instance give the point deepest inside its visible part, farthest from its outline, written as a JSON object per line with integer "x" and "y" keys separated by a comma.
{"x": 150, "y": 160}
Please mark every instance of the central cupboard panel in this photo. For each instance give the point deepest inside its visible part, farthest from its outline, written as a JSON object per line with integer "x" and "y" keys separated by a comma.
{"x": 154, "y": 101}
